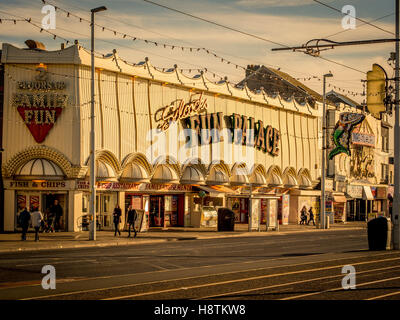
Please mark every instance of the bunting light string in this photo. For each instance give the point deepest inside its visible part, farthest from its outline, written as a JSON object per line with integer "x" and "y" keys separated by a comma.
{"x": 265, "y": 76}
{"x": 127, "y": 82}
{"x": 167, "y": 45}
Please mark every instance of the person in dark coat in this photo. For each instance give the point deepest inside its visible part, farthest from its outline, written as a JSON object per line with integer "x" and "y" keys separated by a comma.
{"x": 117, "y": 219}
{"x": 132, "y": 216}
{"x": 310, "y": 211}
{"x": 24, "y": 219}
{"x": 57, "y": 212}
{"x": 303, "y": 215}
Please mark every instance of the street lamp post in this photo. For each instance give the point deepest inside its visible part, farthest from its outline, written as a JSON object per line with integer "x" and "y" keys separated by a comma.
{"x": 92, "y": 205}
{"x": 322, "y": 215}
{"x": 396, "y": 196}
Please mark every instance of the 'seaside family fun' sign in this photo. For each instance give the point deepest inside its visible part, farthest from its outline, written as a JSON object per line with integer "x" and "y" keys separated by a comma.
{"x": 40, "y": 103}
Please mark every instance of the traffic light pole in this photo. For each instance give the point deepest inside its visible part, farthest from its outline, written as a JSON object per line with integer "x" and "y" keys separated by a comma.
{"x": 396, "y": 196}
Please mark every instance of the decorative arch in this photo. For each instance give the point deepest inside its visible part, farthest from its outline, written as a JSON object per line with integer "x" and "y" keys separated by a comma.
{"x": 220, "y": 165}
{"x": 304, "y": 178}
{"x": 195, "y": 163}
{"x": 258, "y": 175}
{"x": 164, "y": 173}
{"x": 138, "y": 159}
{"x": 239, "y": 173}
{"x": 170, "y": 162}
{"x": 218, "y": 173}
{"x": 108, "y": 157}
{"x": 290, "y": 177}
{"x": 40, "y": 152}
{"x": 274, "y": 176}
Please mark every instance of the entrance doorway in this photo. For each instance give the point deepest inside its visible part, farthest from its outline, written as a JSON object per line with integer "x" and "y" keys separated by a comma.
{"x": 156, "y": 211}
{"x": 105, "y": 204}
{"x": 43, "y": 200}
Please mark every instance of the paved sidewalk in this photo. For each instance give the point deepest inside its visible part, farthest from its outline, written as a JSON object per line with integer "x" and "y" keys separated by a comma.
{"x": 11, "y": 242}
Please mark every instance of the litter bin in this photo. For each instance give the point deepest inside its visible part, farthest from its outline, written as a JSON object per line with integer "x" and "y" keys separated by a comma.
{"x": 226, "y": 219}
{"x": 379, "y": 234}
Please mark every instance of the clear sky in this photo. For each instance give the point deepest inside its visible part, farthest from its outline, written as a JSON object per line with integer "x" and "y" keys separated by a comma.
{"x": 290, "y": 22}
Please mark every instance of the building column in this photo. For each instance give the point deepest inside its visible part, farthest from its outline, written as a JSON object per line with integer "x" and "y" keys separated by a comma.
{"x": 121, "y": 203}
{"x": 74, "y": 211}
{"x": 9, "y": 210}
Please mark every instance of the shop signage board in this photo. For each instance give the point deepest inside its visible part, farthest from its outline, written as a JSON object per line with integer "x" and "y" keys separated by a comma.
{"x": 255, "y": 214}
{"x": 37, "y": 185}
{"x": 285, "y": 209}
{"x": 355, "y": 191}
{"x": 40, "y": 103}
{"x": 272, "y": 217}
{"x": 363, "y": 139}
{"x": 125, "y": 186}
{"x": 381, "y": 193}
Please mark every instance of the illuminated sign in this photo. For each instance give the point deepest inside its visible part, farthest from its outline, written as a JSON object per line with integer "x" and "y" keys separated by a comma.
{"x": 40, "y": 103}
{"x": 178, "y": 110}
{"x": 244, "y": 131}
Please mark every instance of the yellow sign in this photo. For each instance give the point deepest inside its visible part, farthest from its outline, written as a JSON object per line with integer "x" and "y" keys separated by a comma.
{"x": 376, "y": 90}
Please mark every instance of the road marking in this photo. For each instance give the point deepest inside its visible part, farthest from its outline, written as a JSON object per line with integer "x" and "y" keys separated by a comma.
{"x": 287, "y": 284}
{"x": 55, "y": 262}
{"x": 384, "y": 295}
{"x": 193, "y": 277}
{"x": 340, "y": 288}
{"x": 245, "y": 279}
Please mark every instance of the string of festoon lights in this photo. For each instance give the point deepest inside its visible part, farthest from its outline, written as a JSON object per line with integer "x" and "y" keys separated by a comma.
{"x": 121, "y": 111}
{"x": 264, "y": 76}
{"x": 190, "y": 49}
{"x": 265, "y": 95}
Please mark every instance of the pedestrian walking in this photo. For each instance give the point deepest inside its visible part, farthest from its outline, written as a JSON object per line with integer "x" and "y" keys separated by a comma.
{"x": 303, "y": 215}
{"x": 24, "y": 218}
{"x": 310, "y": 211}
{"x": 132, "y": 216}
{"x": 36, "y": 218}
{"x": 57, "y": 213}
{"x": 117, "y": 219}
{"x": 50, "y": 220}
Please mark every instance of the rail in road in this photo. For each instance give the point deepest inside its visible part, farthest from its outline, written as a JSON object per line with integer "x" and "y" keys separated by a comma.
{"x": 292, "y": 267}
{"x": 377, "y": 277}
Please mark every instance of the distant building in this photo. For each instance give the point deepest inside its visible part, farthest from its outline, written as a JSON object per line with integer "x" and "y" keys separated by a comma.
{"x": 365, "y": 175}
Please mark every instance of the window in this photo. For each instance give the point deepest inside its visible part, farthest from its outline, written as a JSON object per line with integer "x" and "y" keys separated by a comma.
{"x": 385, "y": 173}
{"x": 385, "y": 139}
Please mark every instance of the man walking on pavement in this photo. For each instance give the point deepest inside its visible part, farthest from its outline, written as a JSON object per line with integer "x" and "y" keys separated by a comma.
{"x": 37, "y": 218}
{"x": 24, "y": 218}
{"x": 57, "y": 212}
{"x": 132, "y": 215}
{"x": 117, "y": 219}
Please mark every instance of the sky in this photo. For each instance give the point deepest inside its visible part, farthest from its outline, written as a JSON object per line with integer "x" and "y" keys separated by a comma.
{"x": 287, "y": 22}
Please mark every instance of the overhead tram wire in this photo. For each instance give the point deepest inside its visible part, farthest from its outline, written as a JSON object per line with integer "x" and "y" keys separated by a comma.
{"x": 363, "y": 24}
{"x": 244, "y": 33}
{"x": 105, "y": 17}
{"x": 208, "y": 51}
{"x": 359, "y": 19}
{"x": 54, "y": 37}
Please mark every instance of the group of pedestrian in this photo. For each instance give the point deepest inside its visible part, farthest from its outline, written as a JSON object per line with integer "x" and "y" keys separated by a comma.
{"x": 131, "y": 218}
{"x": 306, "y": 219}
{"x": 35, "y": 218}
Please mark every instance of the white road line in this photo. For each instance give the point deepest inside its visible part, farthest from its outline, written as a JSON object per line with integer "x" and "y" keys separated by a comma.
{"x": 384, "y": 295}
{"x": 55, "y": 262}
{"x": 286, "y": 284}
{"x": 337, "y": 289}
{"x": 244, "y": 279}
{"x": 192, "y": 277}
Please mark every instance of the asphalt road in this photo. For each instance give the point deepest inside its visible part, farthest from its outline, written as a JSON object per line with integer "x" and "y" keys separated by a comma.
{"x": 292, "y": 266}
